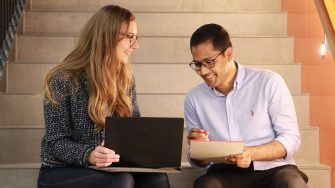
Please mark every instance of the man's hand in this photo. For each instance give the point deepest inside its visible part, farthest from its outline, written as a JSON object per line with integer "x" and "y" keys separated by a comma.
{"x": 242, "y": 160}
{"x": 198, "y": 134}
{"x": 102, "y": 156}
{"x": 201, "y": 135}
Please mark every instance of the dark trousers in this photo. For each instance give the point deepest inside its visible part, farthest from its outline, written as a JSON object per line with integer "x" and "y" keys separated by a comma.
{"x": 70, "y": 177}
{"x": 230, "y": 176}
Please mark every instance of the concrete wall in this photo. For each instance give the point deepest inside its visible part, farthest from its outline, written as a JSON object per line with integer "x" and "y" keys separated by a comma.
{"x": 318, "y": 75}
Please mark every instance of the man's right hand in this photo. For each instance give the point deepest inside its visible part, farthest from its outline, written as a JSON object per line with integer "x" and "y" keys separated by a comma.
{"x": 201, "y": 135}
{"x": 198, "y": 134}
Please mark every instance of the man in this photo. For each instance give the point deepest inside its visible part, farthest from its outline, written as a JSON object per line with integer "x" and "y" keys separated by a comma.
{"x": 241, "y": 104}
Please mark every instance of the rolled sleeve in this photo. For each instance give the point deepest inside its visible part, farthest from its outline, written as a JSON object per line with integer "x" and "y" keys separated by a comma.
{"x": 283, "y": 116}
{"x": 192, "y": 121}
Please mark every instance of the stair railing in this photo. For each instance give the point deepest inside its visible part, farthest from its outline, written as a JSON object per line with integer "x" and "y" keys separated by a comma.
{"x": 10, "y": 14}
{"x": 327, "y": 25}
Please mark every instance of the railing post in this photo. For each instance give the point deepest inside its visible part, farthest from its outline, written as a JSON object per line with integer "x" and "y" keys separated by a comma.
{"x": 10, "y": 13}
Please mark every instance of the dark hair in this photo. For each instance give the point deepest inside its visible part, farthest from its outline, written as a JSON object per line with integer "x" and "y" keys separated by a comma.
{"x": 213, "y": 33}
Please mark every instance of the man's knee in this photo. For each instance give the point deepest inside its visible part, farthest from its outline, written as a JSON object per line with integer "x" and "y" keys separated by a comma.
{"x": 209, "y": 181}
{"x": 290, "y": 178}
{"x": 159, "y": 178}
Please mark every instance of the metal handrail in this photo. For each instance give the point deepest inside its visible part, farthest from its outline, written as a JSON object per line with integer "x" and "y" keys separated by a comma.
{"x": 326, "y": 24}
{"x": 10, "y": 14}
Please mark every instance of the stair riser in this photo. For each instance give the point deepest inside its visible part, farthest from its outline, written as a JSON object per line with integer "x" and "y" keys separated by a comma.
{"x": 26, "y": 110}
{"x": 160, "y": 24}
{"x": 150, "y": 78}
{"x": 28, "y": 178}
{"x": 25, "y": 148}
{"x": 162, "y": 50}
{"x": 21, "y": 110}
{"x": 160, "y": 6}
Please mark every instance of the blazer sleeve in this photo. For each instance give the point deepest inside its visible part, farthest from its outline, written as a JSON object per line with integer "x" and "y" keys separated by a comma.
{"x": 59, "y": 126}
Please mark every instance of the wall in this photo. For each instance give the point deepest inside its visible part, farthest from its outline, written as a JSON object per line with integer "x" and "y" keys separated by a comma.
{"x": 318, "y": 75}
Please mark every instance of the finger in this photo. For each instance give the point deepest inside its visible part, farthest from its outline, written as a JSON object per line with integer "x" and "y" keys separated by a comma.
{"x": 197, "y": 135}
{"x": 198, "y": 130}
{"x": 105, "y": 164}
{"x": 102, "y": 143}
{"x": 107, "y": 161}
{"x": 107, "y": 156}
{"x": 101, "y": 149}
{"x": 243, "y": 165}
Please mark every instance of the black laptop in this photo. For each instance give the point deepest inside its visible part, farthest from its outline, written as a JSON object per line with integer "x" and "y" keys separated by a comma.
{"x": 145, "y": 142}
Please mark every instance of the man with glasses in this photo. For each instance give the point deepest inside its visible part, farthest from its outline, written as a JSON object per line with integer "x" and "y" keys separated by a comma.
{"x": 241, "y": 104}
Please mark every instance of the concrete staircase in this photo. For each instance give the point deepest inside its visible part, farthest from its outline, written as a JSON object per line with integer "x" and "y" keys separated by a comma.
{"x": 50, "y": 29}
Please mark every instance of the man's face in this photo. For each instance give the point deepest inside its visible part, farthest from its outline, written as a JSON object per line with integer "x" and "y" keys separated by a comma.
{"x": 223, "y": 63}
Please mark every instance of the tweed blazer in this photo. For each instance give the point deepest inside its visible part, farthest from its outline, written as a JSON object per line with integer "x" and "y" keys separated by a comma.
{"x": 70, "y": 134}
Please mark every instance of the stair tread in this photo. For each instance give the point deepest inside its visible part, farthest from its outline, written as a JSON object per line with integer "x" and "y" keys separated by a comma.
{"x": 318, "y": 166}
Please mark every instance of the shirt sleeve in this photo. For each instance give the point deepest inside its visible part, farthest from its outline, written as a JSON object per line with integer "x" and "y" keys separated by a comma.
{"x": 283, "y": 116}
{"x": 58, "y": 126}
{"x": 192, "y": 121}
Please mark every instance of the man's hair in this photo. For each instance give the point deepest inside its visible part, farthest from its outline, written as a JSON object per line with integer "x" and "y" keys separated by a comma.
{"x": 213, "y": 33}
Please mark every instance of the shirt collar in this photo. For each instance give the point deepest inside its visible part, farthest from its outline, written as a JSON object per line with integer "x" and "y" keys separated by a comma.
{"x": 240, "y": 76}
{"x": 237, "y": 83}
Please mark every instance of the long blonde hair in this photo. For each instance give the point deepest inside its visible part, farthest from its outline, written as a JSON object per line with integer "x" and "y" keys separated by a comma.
{"x": 109, "y": 80}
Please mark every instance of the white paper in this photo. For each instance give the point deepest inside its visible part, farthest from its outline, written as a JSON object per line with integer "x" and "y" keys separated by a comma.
{"x": 214, "y": 151}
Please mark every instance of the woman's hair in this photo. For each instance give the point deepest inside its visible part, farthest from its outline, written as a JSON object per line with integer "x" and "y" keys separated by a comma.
{"x": 109, "y": 80}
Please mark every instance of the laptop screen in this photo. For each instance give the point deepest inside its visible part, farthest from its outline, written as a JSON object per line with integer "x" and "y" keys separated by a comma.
{"x": 145, "y": 142}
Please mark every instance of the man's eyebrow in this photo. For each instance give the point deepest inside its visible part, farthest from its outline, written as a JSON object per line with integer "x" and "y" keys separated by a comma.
{"x": 207, "y": 58}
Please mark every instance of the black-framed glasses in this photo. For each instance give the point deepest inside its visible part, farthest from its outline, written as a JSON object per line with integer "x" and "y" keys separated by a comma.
{"x": 196, "y": 65}
{"x": 132, "y": 38}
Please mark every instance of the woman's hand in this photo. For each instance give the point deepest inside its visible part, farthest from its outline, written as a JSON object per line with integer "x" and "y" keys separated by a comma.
{"x": 102, "y": 156}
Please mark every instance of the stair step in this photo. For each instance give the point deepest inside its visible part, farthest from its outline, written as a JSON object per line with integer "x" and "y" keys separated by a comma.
{"x": 162, "y": 49}
{"x": 29, "y": 77}
{"x": 160, "y": 24}
{"x": 159, "y": 6}
{"x": 25, "y": 148}
{"x": 26, "y": 110}
{"x": 319, "y": 176}
{"x": 18, "y": 110}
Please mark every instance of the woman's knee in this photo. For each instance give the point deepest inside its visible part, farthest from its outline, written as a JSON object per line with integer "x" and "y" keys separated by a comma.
{"x": 151, "y": 180}
{"x": 124, "y": 180}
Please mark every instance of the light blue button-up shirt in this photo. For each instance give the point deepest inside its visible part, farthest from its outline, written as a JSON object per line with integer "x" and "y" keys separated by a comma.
{"x": 258, "y": 110}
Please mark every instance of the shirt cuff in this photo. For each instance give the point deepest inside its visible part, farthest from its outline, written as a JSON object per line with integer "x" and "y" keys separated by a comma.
{"x": 290, "y": 145}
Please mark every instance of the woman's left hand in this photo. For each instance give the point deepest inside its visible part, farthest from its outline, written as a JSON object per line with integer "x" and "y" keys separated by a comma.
{"x": 103, "y": 157}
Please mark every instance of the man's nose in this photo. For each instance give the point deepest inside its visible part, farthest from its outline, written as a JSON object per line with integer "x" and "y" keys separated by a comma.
{"x": 203, "y": 70}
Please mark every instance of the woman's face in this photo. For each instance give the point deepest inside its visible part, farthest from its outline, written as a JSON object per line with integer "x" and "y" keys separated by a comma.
{"x": 128, "y": 42}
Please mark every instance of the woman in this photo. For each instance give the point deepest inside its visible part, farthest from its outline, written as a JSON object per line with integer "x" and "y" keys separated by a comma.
{"x": 93, "y": 81}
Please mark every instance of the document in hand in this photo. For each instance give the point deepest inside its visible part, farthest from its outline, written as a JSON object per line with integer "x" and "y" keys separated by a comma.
{"x": 214, "y": 151}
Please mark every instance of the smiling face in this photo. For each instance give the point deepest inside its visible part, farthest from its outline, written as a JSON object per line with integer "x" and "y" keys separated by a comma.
{"x": 126, "y": 45}
{"x": 221, "y": 76}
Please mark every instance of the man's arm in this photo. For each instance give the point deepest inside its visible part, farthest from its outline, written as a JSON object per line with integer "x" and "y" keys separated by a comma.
{"x": 267, "y": 152}
{"x": 198, "y": 134}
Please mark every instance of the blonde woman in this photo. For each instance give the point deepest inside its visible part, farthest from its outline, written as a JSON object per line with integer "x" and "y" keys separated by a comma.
{"x": 93, "y": 81}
